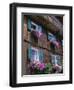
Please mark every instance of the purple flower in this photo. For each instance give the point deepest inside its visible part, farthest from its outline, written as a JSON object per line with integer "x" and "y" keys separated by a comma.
{"x": 38, "y": 34}
{"x": 57, "y": 68}
{"x": 42, "y": 66}
{"x": 37, "y": 65}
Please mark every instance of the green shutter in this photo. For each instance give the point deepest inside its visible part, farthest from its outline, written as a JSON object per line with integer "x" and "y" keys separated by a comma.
{"x": 29, "y": 52}
{"x": 29, "y": 25}
{"x": 41, "y": 56}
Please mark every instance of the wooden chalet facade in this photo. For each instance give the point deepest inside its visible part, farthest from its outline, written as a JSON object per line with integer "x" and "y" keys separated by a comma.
{"x": 40, "y": 43}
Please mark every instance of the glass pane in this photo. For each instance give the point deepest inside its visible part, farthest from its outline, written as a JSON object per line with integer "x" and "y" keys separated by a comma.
{"x": 51, "y": 37}
{"x": 53, "y": 59}
{"x": 33, "y": 26}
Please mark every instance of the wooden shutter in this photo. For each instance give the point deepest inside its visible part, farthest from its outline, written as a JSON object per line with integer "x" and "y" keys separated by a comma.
{"x": 29, "y": 25}
{"x": 41, "y": 58}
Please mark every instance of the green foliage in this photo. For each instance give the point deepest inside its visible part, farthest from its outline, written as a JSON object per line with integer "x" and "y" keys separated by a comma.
{"x": 48, "y": 68}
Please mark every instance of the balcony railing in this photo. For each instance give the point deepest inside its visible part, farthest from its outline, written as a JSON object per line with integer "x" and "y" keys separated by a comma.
{"x": 55, "y": 22}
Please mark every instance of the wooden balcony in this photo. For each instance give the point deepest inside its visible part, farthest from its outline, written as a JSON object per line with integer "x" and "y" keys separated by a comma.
{"x": 51, "y": 23}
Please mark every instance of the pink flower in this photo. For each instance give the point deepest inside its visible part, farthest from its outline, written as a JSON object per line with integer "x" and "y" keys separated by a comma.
{"x": 37, "y": 65}
{"x": 41, "y": 66}
{"x": 57, "y": 67}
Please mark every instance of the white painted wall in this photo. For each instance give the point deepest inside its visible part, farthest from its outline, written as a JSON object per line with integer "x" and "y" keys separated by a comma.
{"x": 4, "y": 43}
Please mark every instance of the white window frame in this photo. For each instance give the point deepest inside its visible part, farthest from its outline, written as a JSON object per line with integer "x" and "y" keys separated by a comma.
{"x": 36, "y": 56}
{"x": 38, "y": 27}
{"x": 55, "y": 59}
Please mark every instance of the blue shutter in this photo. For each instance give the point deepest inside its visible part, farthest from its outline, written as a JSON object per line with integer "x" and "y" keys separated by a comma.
{"x": 41, "y": 56}
{"x": 29, "y": 24}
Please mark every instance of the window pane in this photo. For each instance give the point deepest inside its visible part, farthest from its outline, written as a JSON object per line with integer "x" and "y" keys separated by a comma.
{"x": 33, "y": 26}
{"x": 56, "y": 59}
{"x": 33, "y": 54}
{"x": 53, "y": 59}
{"x": 51, "y": 37}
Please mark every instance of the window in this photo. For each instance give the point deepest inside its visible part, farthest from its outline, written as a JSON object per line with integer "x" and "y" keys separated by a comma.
{"x": 53, "y": 40}
{"x": 35, "y": 28}
{"x": 51, "y": 37}
{"x": 32, "y": 26}
{"x": 35, "y": 54}
{"x": 55, "y": 59}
